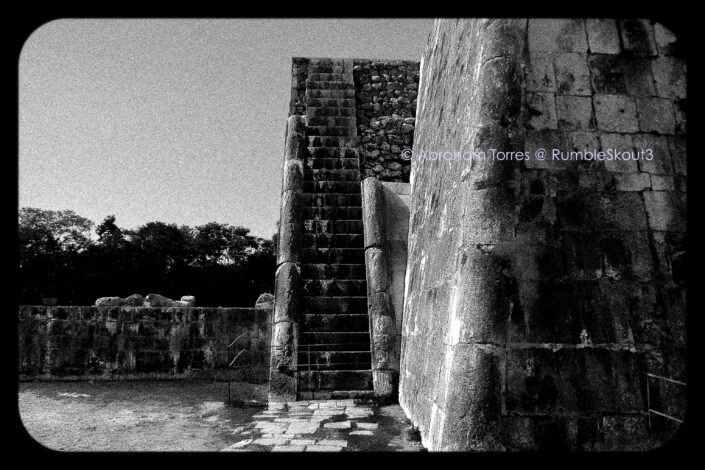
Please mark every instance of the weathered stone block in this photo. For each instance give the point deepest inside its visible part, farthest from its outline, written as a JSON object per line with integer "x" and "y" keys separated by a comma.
{"x": 287, "y": 293}
{"x": 473, "y": 394}
{"x": 551, "y": 35}
{"x": 632, "y": 181}
{"x": 539, "y": 74}
{"x": 572, "y": 74}
{"x": 638, "y": 36}
{"x": 615, "y": 113}
{"x": 656, "y": 115}
{"x": 665, "y": 40}
{"x": 619, "y": 143}
{"x": 678, "y": 150}
{"x": 620, "y": 211}
{"x": 156, "y": 300}
{"x": 293, "y": 176}
{"x": 626, "y": 433}
{"x": 606, "y": 74}
{"x": 665, "y": 211}
{"x": 379, "y": 303}
{"x": 372, "y": 212}
{"x": 670, "y": 76}
{"x": 602, "y": 34}
{"x": 638, "y": 77}
{"x": 574, "y": 112}
{"x": 377, "y": 270}
{"x": 488, "y": 216}
{"x": 542, "y": 111}
{"x": 109, "y": 301}
{"x": 656, "y": 147}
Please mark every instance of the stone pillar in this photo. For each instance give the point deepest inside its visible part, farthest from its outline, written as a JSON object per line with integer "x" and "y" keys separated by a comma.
{"x": 282, "y": 380}
{"x": 385, "y": 363}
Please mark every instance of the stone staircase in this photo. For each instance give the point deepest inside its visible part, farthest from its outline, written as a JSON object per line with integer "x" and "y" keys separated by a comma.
{"x": 334, "y": 341}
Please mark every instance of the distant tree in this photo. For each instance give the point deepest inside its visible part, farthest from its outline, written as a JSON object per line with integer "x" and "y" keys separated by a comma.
{"x": 163, "y": 244}
{"x": 45, "y": 231}
{"x": 218, "y": 263}
{"x": 51, "y": 244}
{"x": 109, "y": 234}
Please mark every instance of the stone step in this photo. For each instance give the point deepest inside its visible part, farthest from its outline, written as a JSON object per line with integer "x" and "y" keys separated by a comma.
{"x": 333, "y": 241}
{"x": 333, "y": 287}
{"x": 335, "y": 380}
{"x": 333, "y": 152}
{"x": 333, "y": 131}
{"x": 350, "y": 305}
{"x": 316, "y": 61}
{"x": 323, "y": 163}
{"x": 312, "y": 111}
{"x": 332, "y": 141}
{"x": 331, "y": 175}
{"x": 332, "y": 227}
{"x": 334, "y": 121}
{"x": 331, "y": 199}
{"x": 332, "y": 255}
{"x": 346, "y": 187}
{"x": 334, "y": 271}
{"x": 326, "y": 213}
{"x": 335, "y": 94}
{"x": 360, "y": 396}
{"x": 343, "y": 103}
{"x": 333, "y": 322}
{"x": 334, "y": 341}
{"x": 319, "y": 76}
{"x": 329, "y": 85}
{"x": 327, "y": 68}
{"x": 334, "y": 360}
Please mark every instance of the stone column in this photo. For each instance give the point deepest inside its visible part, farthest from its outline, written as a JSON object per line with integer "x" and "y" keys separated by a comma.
{"x": 282, "y": 379}
{"x": 385, "y": 362}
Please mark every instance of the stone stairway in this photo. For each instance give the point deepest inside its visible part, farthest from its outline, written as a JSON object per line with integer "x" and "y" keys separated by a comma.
{"x": 334, "y": 340}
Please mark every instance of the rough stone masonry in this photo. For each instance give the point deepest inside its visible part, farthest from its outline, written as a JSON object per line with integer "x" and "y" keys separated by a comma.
{"x": 541, "y": 293}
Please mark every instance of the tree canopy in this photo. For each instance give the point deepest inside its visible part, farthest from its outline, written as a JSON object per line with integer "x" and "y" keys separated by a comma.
{"x": 61, "y": 256}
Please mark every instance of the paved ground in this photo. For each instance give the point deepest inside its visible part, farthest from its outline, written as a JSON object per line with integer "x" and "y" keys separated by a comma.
{"x": 193, "y": 416}
{"x": 326, "y": 426}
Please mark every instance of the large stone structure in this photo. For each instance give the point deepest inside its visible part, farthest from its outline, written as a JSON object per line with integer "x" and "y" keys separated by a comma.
{"x": 544, "y": 299}
{"x": 542, "y": 292}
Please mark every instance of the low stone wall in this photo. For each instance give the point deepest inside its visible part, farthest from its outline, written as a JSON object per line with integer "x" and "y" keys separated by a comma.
{"x": 89, "y": 342}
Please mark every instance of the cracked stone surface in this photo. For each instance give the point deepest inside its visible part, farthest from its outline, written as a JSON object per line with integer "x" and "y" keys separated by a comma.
{"x": 326, "y": 426}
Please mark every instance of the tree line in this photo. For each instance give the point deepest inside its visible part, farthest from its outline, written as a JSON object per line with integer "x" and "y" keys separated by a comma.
{"x": 65, "y": 256}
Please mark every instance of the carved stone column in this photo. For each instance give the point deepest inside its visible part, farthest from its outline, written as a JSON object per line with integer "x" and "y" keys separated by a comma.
{"x": 385, "y": 362}
{"x": 282, "y": 379}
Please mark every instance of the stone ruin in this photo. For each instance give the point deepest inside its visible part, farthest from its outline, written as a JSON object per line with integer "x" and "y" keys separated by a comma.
{"x": 152, "y": 300}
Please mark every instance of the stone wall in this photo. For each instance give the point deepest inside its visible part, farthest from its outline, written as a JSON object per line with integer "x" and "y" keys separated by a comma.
{"x": 90, "y": 342}
{"x": 540, "y": 293}
{"x": 385, "y": 96}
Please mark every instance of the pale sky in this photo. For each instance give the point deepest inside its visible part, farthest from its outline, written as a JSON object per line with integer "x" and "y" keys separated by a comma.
{"x": 177, "y": 121}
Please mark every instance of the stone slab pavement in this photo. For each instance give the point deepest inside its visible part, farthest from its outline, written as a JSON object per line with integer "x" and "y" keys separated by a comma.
{"x": 326, "y": 426}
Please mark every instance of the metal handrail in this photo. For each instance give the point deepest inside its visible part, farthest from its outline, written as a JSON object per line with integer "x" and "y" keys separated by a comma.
{"x": 230, "y": 365}
{"x": 648, "y": 398}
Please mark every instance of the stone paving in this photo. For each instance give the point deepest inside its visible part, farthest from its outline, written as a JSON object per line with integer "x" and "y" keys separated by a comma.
{"x": 326, "y": 426}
